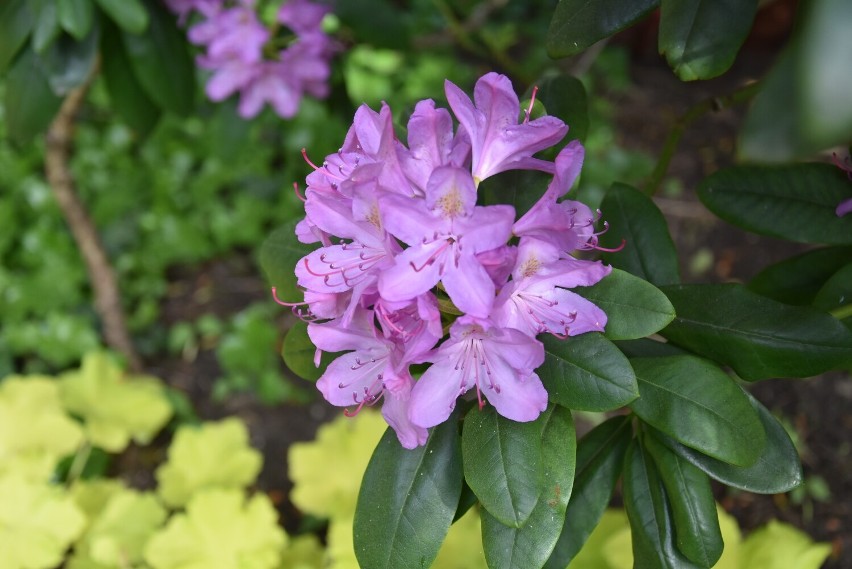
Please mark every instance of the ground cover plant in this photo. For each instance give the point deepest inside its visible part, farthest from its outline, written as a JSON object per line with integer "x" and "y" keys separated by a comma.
{"x": 435, "y": 194}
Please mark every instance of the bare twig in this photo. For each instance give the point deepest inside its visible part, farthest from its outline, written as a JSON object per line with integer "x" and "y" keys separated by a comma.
{"x": 104, "y": 284}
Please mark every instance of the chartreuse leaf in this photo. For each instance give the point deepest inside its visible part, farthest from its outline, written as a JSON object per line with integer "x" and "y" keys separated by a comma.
{"x": 343, "y": 445}
{"x": 76, "y": 16}
{"x": 220, "y": 529}
{"x": 160, "y": 59}
{"x": 696, "y": 525}
{"x": 587, "y": 372}
{"x": 837, "y": 291}
{"x": 649, "y": 252}
{"x": 303, "y": 552}
{"x": 298, "y": 353}
{"x": 701, "y": 38}
{"x": 110, "y": 540}
{"x": 50, "y": 434}
{"x": 777, "y": 469}
{"x": 600, "y": 456}
{"x": 115, "y": 408}
{"x": 503, "y": 464}
{"x": 698, "y": 404}
{"x": 131, "y": 15}
{"x": 648, "y": 510}
{"x": 30, "y": 103}
{"x": 782, "y": 545}
{"x": 635, "y": 308}
{"x": 92, "y": 495}
{"x": 278, "y": 257}
{"x": 565, "y": 97}
{"x": 16, "y": 23}
{"x": 758, "y": 337}
{"x": 38, "y": 522}
{"x": 577, "y": 24}
{"x": 214, "y": 455}
{"x": 530, "y": 545}
{"x": 793, "y": 202}
{"x": 408, "y": 499}
{"x": 798, "y": 279}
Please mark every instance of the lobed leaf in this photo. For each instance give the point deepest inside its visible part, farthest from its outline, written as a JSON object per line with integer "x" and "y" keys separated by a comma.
{"x": 577, "y": 24}
{"x": 758, "y": 337}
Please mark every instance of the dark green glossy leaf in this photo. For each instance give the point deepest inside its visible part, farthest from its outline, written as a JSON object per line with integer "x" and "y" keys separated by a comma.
{"x": 777, "y": 469}
{"x": 407, "y": 500}
{"x": 793, "y": 202}
{"x": 517, "y": 188}
{"x": 587, "y": 372}
{"x": 758, "y": 337}
{"x": 70, "y": 63}
{"x": 577, "y": 24}
{"x": 529, "y": 546}
{"x": 648, "y": 510}
{"x": 600, "y": 456}
{"x": 649, "y": 252}
{"x": 635, "y": 308}
{"x": 278, "y": 257}
{"x": 126, "y": 94}
{"x": 30, "y": 103}
{"x": 698, "y": 404}
{"x": 298, "y": 351}
{"x": 161, "y": 61}
{"x": 701, "y": 38}
{"x": 696, "y": 523}
{"x": 565, "y": 97}
{"x": 503, "y": 464}
{"x": 648, "y": 348}
{"x": 798, "y": 279}
{"x": 76, "y": 17}
{"x": 837, "y": 290}
{"x": 16, "y": 23}
{"x": 46, "y": 27}
{"x": 130, "y": 15}
{"x": 466, "y": 501}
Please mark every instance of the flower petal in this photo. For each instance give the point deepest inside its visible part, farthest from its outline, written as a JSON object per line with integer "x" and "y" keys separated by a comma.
{"x": 434, "y": 395}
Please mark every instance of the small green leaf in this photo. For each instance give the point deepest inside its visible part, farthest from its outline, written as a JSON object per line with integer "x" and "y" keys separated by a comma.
{"x": 130, "y": 15}
{"x": 298, "y": 353}
{"x": 649, "y": 252}
{"x": 16, "y": 23}
{"x": 76, "y": 17}
{"x": 503, "y": 464}
{"x": 701, "y": 38}
{"x": 793, "y": 202}
{"x": 600, "y": 456}
{"x": 565, "y": 97}
{"x": 160, "y": 60}
{"x": 408, "y": 499}
{"x": 46, "y": 27}
{"x": 530, "y": 545}
{"x": 30, "y": 103}
{"x": 837, "y": 290}
{"x": 698, "y": 404}
{"x": 777, "y": 469}
{"x": 798, "y": 279}
{"x": 577, "y": 24}
{"x": 635, "y": 308}
{"x": 278, "y": 257}
{"x": 696, "y": 525}
{"x": 587, "y": 372}
{"x": 758, "y": 337}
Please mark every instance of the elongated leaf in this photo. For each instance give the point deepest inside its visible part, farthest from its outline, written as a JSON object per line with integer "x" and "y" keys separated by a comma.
{"x": 46, "y": 27}
{"x": 503, "y": 464}
{"x": 577, "y": 24}
{"x": 698, "y": 404}
{"x": 793, "y": 202}
{"x": 777, "y": 469}
{"x": 649, "y": 252}
{"x": 518, "y": 188}
{"x": 278, "y": 257}
{"x": 126, "y": 94}
{"x": 648, "y": 348}
{"x": 130, "y": 15}
{"x": 160, "y": 59}
{"x": 798, "y": 279}
{"x": 600, "y": 456}
{"x": 70, "y": 63}
{"x": 407, "y": 500}
{"x": 76, "y": 17}
{"x": 29, "y": 102}
{"x": 565, "y": 97}
{"x": 529, "y": 546}
{"x": 837, "y": 290}
{"x": 696, "y": 524}
{"x": 701, "y": 38}
{"x": 758, "y": 337}
{"x": 635, "y": 308}
{"x": 649, "y": 513}
{"x": 587, "y": 372}
{"x": 16, "y": 23}
{"x": 298, "y": 353}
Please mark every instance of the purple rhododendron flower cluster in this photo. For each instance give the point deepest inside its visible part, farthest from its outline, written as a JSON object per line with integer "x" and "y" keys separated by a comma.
{"x": 403, "y": 241}
{"x": 247, "y": 57}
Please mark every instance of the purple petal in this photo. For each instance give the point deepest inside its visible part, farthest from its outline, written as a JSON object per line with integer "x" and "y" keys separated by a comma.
{"x": 844, "y": 207}
{"x": 469, "y": 286}
{"x": 352, "y": 378}
{"x": 434, "y": 395}
{"x": 521, "y": 398}
{"x": 414, "y": 272}
{"x": 451, "y": 192}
